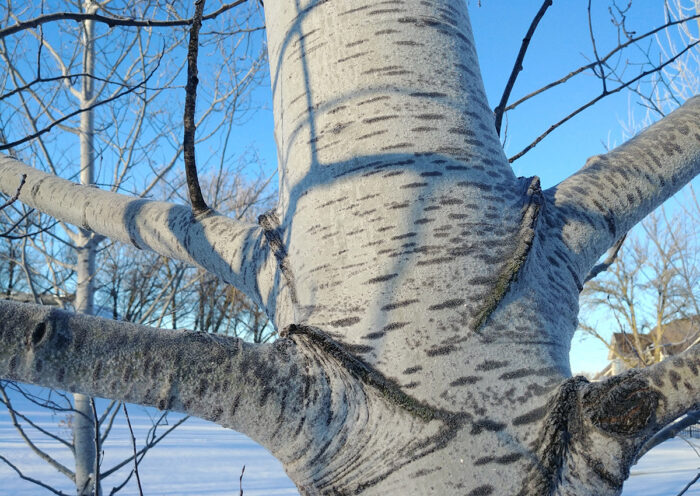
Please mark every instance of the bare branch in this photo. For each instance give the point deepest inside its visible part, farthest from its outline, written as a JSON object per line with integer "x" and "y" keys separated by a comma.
{"x": 32, "y": 480}
{"x": 234, "y": 251}
{"x": 199, "y": 206}
{"x": 598, "y": 98}
{"x": 603, "y": 60}
{"x": 592, "y": 199}
{"x": 133, "y": 446}
{"x": 609, "y": 260}
{"x": 80, "y": 111}
{"x": 168, "y": 369}
{"x": 110, "y": 21}
{"x": 518, "y": 66}
{"x": 13, "y": 199}
{"x": 671, "y": 430}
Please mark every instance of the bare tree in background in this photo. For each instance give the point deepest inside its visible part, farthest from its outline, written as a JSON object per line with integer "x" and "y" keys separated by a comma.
{"x": 107, "y": 80}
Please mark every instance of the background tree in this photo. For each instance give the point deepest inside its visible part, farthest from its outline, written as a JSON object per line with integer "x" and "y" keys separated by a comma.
{"x": 103, "y": 82}
{"x": 413, "y": 277}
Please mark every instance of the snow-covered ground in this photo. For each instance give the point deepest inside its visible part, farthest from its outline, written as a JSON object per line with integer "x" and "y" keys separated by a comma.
{"x": 200, "y": 458}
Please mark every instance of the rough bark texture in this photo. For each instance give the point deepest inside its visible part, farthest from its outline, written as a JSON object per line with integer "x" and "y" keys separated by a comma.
{"x": 427, "y": 296}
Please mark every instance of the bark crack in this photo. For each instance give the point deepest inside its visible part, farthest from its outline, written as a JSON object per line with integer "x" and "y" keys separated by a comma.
{"x": 526, "y": 234}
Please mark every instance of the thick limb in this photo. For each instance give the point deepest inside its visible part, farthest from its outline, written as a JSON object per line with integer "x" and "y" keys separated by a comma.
{"x": 234, "y": 251}
{"x": 612, "y": 192}
{"x": 217, "y": 378}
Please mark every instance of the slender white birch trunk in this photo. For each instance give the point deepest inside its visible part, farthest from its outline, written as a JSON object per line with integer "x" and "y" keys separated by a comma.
{"x": 84, "y": 420}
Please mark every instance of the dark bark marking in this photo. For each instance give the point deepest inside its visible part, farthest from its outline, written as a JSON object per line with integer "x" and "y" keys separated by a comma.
{"x": 403, "y": 236}
{"x": 372, "y": 120}
{"x": 398, "y": 304}
{"x": 447, "y": 304}
{"x": 491, "y": 365}
{"x": 484, "y": 490}
{"x": 395, "y": 325}
{"x": 38, "y": 334}
{"x": 439, "y": 351}
{"x": 487, "y": 425}
{"x": 675, "y": 378}
{"x": 412, "y": 370}
{"x": 374, "y": 335}
{"x": 270, "y": 224}
{"x": 414, "y": 185}
{"x": 387, "y": 277}
{"x": 312, "y": 336}
{"x": 465, "y": 381}
{"x": 347, "y": 322}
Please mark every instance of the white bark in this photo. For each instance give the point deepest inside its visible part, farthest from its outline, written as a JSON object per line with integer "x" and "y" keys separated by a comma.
{"x": 84, "y": 421}
{"x": 235, "y": 251}
{"x": 427, "y": 296}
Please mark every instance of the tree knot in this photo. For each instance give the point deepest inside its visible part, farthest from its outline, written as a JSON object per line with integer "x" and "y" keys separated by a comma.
{"x": 624, "y": 405}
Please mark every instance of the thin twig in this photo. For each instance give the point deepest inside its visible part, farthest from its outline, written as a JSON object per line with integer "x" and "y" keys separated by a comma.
{"x": 687, "y": 486}
{"x": 110, "y": 21}
{"x": 199, "y": 206}
{"x": 603, "y": 60}
{"x": 518, "y": 66}
{"x": 605, "y": 264}
{"x": 240, "y": 480}
{"x": 597, "y": 99}
{"x": 133, "y": 446}
{"x": 16, "y": 195}
{"x": 80, "y": 111}
{"x": 34, "y": 481}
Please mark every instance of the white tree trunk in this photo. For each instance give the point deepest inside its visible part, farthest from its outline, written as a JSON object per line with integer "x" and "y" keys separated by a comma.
{"x": 83, "y": 418}
{"x": 426, "y": 296}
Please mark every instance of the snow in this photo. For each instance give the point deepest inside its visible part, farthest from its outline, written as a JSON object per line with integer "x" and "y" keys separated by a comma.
{"x": 204, "y": 459}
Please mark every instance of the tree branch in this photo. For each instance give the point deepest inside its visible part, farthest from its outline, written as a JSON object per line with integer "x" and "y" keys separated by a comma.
{"x": 255, "y": 389}
{"x": 199, "y": 206}
{"x": 518, "y": 66}
{"x": 234, "y": 251}
{"x": 110, "y": 21}
{"x": 609, "y": 260}
{"x": 612, "y": 192}
{"x": 14, "y": 197}
{"x": 671, "y": 430}
{"x": 595, "y": 100}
